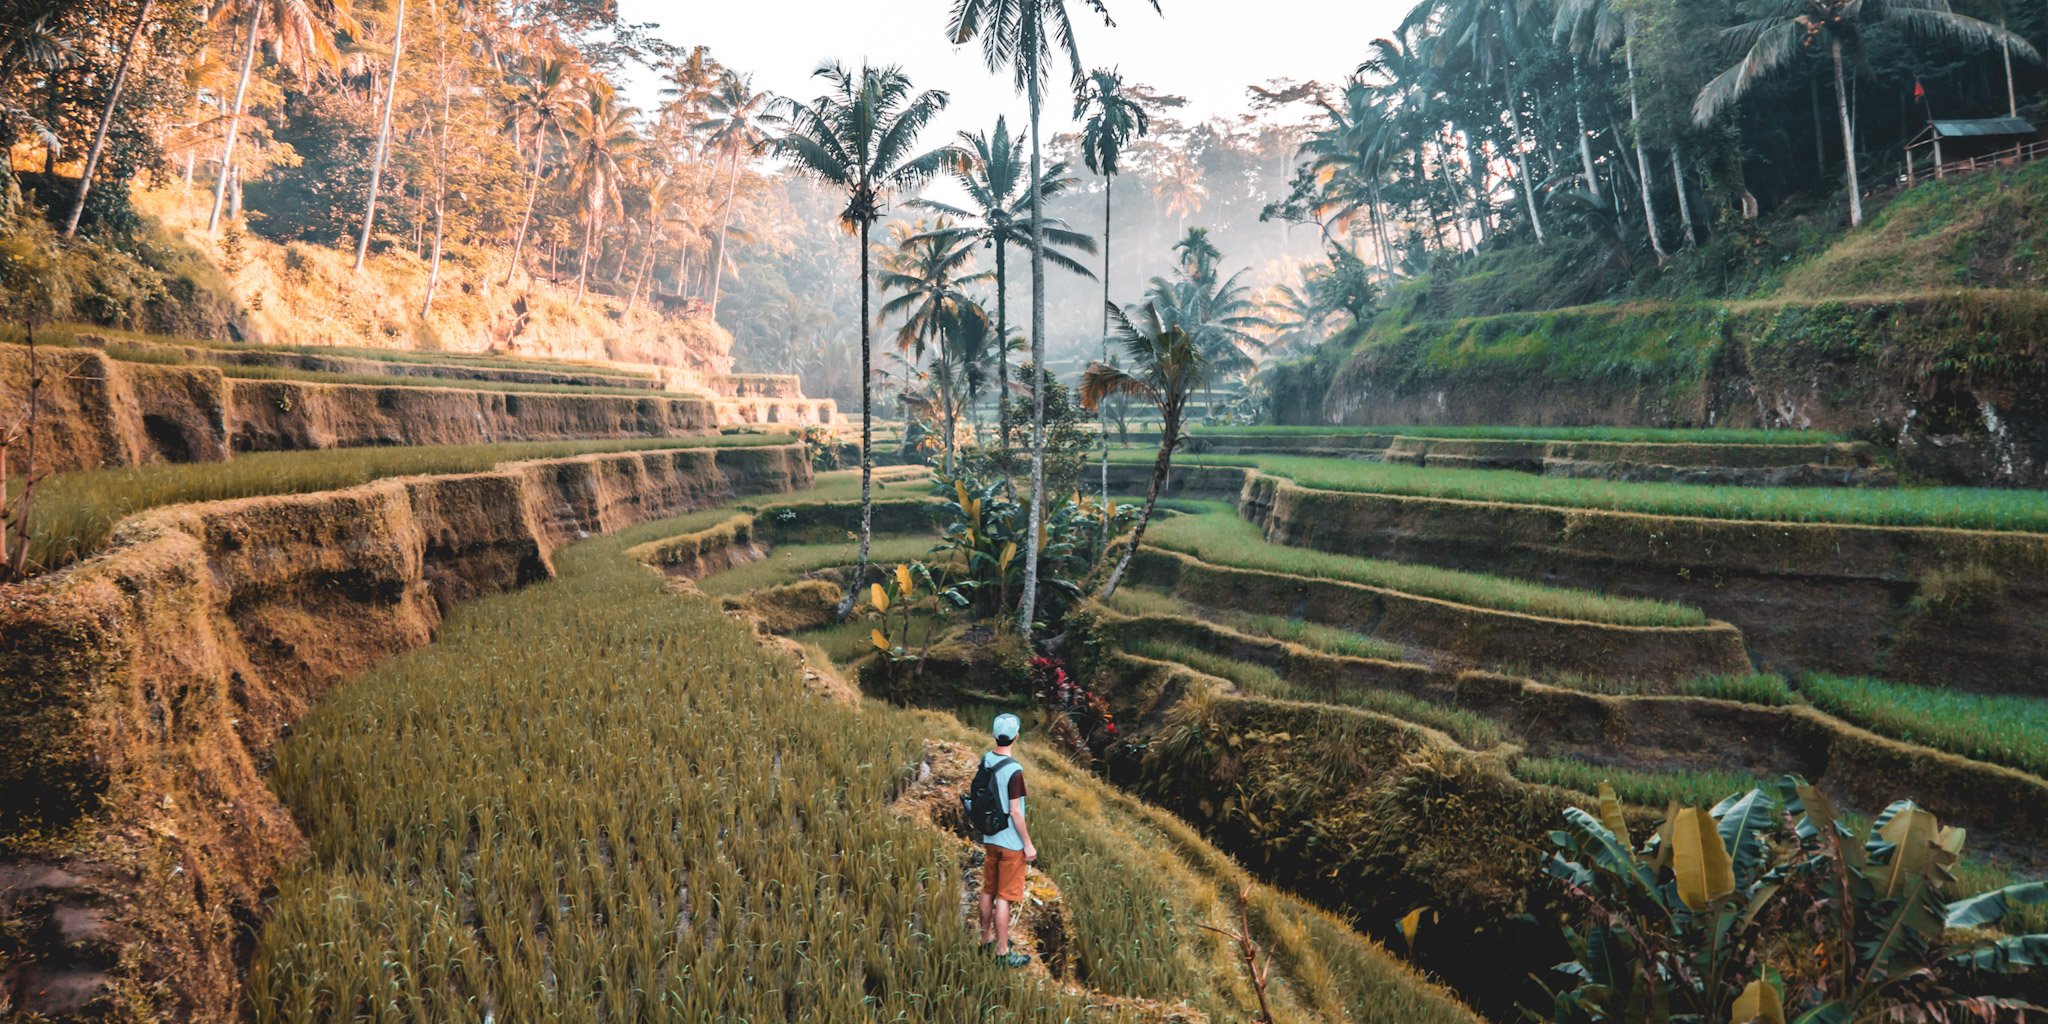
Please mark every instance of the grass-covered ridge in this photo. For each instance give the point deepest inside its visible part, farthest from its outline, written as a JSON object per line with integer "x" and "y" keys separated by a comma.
{"x": 1955, "y": 507}
{"x": 1503, "y": 432}
{"x": 637, "y": 813}
{"x": 74, "y": 512}
{"x": 2000, "y": 728}
{"x": 1219, "y": 536}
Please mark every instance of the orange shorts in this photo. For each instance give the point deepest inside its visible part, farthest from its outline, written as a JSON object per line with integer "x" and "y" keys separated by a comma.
{"x": 1002, "y": 873}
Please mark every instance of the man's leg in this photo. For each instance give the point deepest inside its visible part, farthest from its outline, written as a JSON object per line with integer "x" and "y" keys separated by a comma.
{"x": 1002, "y": 927}
{"x": 988, "y": 917}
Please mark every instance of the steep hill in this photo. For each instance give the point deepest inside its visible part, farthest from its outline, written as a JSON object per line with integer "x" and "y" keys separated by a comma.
{"x": 1921, "y": 330}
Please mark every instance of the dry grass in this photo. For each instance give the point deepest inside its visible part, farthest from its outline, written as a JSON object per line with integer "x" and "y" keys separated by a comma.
{"x": 637, "y": 813}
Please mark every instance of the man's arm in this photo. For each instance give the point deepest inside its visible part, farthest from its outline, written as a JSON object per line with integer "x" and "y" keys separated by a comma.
{"x": 1024, "y": 833}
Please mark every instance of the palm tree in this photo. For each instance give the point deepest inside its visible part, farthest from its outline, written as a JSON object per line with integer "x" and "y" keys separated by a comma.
{"x": 539, "y": 108}
{"x": 1179, "y": 189}
{"x": 859, "y": 136}
{"x": 1490, "y": 34}
{"x": 998, "y": 216}
{"x": 1596, "y": 27}
{"x": 1167, "y": 367}
{"x": 738, "y": 126}
{"x": 99, "y": 135}
{"x": 929, "y": 268}
{"x": 384, "y": 140}
{"x": 1789, "y": 26}
{"x": 304, "y": 31}
{"x": 1113, "y": 119}
{"x": 1023, "y": 35}
{"x": 601, "y": 130}
{"x": 1221, "y": 316}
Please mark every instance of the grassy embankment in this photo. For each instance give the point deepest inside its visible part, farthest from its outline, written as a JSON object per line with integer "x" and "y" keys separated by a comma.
{"x": 1957, "y": 507}
{"x": 637, "y": 812}
{"x": 74, "y": 512}
{"x": 1216, "y": 534}
{"x": 1137, "y": 600}
{"x": 66, "y": 334}
{"x": 2003, "y": 729}
{"x": 1619, "y": 435}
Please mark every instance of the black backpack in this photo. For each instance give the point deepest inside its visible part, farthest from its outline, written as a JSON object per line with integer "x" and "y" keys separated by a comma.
{"x": 986, "y": 811}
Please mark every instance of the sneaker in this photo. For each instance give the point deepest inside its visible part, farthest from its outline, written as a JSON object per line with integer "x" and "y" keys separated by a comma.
{"x": 1013, "y": 959}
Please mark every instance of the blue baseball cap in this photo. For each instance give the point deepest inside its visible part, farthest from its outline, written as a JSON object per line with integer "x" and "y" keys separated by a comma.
{"x": 1008, "y": 725}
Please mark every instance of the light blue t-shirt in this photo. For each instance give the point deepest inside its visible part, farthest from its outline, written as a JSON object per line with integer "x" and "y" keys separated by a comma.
{"x": 1008, "y": 838}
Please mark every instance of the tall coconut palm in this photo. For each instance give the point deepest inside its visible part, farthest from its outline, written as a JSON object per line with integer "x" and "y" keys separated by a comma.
{"x": 540, "y": 108}
{"x": 1027, "y": 36}
{"x": 1789, "y": 26}
{"x": 605, "y": 144}
{"x": 1166, "y": 368}
{"x": 998, "y": 217}
{"x": 1223, "y": 317}
{"x": 303, "y": 31}
{"x": 1113, "y": 117}
{"x": 99, "y": 135}
{"x": 861, "y": 136}
{"x": 929, "y": 268}
{"x": 1489, "y": 34}
{"x": 738, "y": 128}
{"x": 1596, "y": 27}
{"x": 384, "y": 140}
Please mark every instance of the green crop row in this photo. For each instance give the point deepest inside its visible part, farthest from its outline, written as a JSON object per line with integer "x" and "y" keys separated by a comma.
{"x": 67, "y": 334}
{"x": 1652, "y": 435}
{"x": 74, "y": 512}
{"x": 2003, "y": 729}
{"x": 1220, "y": 537}
{"x": 788, "y": 562}
{"x": 595, "y": 800}
{"x": 1472, "y": 730}
{"x": 455, "y": 383}
{"x": 1136, "y": 600}
{"x": 1960, "y": 507}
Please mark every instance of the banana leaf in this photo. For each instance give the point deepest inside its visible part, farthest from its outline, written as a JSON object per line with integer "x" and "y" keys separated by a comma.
{"x": 1699, "y": 861}
{"x": 1606, "y": 850}
{"x": 1745, "y": 820}
{"x": 2006, "y": 954}
{"x": 1991, "y": 907}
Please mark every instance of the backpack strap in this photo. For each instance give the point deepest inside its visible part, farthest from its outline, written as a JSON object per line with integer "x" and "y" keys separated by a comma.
{"x": 995, "y": 770}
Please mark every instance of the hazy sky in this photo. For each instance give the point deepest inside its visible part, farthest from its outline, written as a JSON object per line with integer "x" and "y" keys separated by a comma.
{"x": 1206, "y": 50}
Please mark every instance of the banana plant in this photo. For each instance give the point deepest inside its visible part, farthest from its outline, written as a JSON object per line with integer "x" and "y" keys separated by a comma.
{"x": 897, "y": 600}
{"x": 984, "y": 544}
{"x": 1770, "y": 907}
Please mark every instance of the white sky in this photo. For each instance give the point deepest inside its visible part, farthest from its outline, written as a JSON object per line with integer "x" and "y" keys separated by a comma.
{"x": 1206, "y": 50}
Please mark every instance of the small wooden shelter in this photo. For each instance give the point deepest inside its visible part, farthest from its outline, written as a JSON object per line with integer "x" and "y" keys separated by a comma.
{"x": 1958, "y": 145}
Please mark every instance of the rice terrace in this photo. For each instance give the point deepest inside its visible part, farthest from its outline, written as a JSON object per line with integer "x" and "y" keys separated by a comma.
{"x": 1002, "y": 511}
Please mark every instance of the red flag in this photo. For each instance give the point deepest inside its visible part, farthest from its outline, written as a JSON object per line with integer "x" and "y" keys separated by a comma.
{"x": 1919, "y": 93}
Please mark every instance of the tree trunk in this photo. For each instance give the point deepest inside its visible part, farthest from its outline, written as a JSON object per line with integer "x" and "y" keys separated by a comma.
{"x": 1003, "y": 357}
{"x": 1169, "y": 436}
{"x": 2012, "y": 103}
{"x": 1586, "y": 152}
{"x": 646, "y": 264}
{"x": 227, "y": 153}
{"x": 732, "y": 189}
{"x": 1820, "y": 132}
{"x": 589, "y": 234}
{"x": 1102, "y": 414}
{"x": 1522, "y": 162}
{"x": 946, "y": 408}
{"x": 1848, "y": 138}
{"x": 1027, "y": 598}
{"x": 440, "y": 175}
{"x": 99, "y": 136}
{"x": 384, "y": 141}
{"x": 1692, "y": 237}
{"x": 1642, "y": 159}
{"x": 867, "y": 428}
{"x": 540, "y": 145}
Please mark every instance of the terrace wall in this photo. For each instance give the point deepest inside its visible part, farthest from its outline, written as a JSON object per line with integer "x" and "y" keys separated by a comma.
{"x": 97, "y": 412}
{"x": 324, "y": 363}
{"x": 141, "y": 692}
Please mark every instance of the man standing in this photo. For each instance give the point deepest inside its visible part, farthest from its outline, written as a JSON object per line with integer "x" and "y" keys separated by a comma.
{"x": 1006, "y": 852}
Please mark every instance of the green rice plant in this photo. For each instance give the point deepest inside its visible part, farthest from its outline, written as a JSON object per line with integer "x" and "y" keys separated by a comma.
{"x": 1220, "y": 537}
{"x": 1328, "y": 639}
{"x": 74, "y": 512}
{"x": 67, "y": 334}
{"x": 1757, "y": 688}
{"x": 2006, "y": 729}
{"x": 594, "y": 799}
{"x": 1652, "y": 435}
{"x": 1131, "y": 600}
{"x": 1956, "y": 507}
{"x": 1470, "y": 729}
{"x": 1646, "y": 788}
